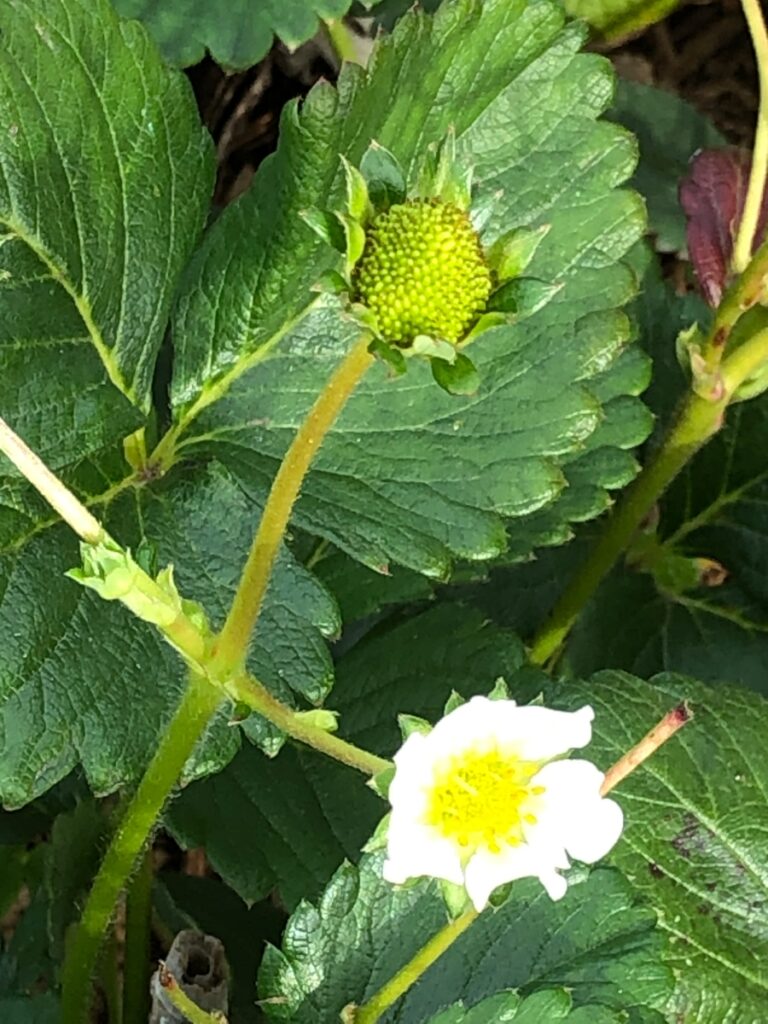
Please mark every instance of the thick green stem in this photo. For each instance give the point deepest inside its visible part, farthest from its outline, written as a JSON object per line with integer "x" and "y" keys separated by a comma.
{"x": 232, "y": 644}
{"x": 138, "y": 920}
{"x": 255, "y": 696}
{"x": 742, "y": 249}
{"x": 198, "y": 704}
{"x": 414, "y": 969}
{"x": 697, "y": 421}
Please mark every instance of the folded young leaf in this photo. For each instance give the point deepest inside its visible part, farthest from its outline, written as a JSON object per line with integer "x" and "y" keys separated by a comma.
{"x": 410, "y": 474}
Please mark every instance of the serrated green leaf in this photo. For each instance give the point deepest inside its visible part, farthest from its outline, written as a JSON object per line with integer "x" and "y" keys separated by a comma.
{"x": 54, "y": 716}
{"x": 439, "y": 474}
{"x": 669, "y": 131}
{"x": 107, "y": 180}
{"x": 597, "y": 941}
{"x": 278, "y": 803}
{"x": 237, "y": 33}
{"x": 541, "y": 1008}
{"x": 694, "y": 843}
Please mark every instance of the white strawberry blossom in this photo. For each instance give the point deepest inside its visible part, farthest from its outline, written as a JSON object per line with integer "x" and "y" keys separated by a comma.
{"x": 489, "y": 796}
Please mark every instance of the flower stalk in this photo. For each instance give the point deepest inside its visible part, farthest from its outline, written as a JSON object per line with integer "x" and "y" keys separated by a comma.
{"x": 231, "y": 646}
{"x": 405, "y": 978}
{"x": 742, "y": 250}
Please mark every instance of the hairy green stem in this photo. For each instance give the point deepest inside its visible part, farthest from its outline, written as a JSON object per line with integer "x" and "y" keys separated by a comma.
{"x": 138, "y": 919}
{"x": 742, "y": 249}
{"x": 195, "y": 710}
{"x": 697, "y": 421}
{"x": 255, "y": 696}
{"x": 371, "y": 1011}
{"x": 232, "y": 643}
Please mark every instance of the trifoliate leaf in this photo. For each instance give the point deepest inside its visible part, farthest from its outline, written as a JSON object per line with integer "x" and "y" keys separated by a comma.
{"x": 440, "y": 474}
{"x": 597, "y": 941}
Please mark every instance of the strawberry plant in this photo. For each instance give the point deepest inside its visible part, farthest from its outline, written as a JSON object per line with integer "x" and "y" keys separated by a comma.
{"x": 386, "y": 549}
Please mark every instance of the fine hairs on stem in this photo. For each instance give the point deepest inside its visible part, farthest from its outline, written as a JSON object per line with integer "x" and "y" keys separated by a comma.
{"x": 210, "y": 682}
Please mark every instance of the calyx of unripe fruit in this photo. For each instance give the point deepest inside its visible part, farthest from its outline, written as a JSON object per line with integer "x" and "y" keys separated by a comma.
{"x": 423, "y": 272}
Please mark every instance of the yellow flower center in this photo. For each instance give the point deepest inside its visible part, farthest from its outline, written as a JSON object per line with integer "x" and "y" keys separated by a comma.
{"x": 483, "y": 799}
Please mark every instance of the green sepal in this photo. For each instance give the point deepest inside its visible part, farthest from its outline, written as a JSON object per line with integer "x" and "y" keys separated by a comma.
{"x": 483, "y": 209}
{"x": 358, "y": 202}
{"x": 354, "y": 233}
{"x": 135, "y": 449}
{"x": 389, "y": 354}
{"x": 455, "y": 700}
{"x": 511, "y": 254}
{"x": 384, "y": 176}
{"x": 523, "y": 296}
{"x": 331, "y": 283}
{"x": 364, "y": 317}
{"x": 458, "y": 378}
{"x": 455, "y": 898}
{"x": 319, "y": 718}
{"x": 326, "y": 226}
{"x": 432, "y": 348}
{"x": 500, "y": 690}
{"x": 381, "y": 781}
{"x": 484, "y": 323}
{"x": 378, "y": 841}
{"x": 442, "y": 177}
{"x": 409, "y": 724}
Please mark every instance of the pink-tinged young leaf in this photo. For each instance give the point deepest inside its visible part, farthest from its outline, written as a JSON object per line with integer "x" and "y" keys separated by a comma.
{"x": 712, "y": 197}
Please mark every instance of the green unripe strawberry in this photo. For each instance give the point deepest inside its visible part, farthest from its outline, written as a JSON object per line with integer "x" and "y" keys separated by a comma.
{"x": 423, "y": 272}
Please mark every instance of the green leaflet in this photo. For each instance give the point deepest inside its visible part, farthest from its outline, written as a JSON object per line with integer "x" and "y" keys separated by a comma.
{"x": 597, "y": 942}
{"x": 694, "y": 845}
{"x": 237, "y": 34}
{"x": 616, "y": 18}
{"x": 408, "y": 474}
{"x": 107, "y": 177}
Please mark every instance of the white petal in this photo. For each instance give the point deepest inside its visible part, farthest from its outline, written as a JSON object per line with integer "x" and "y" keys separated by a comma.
{"x": 572, "y": 813}
{"x": 486, "y": 871}
{"x": 538, "y": 734}
{"x": 414, "y": 850}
